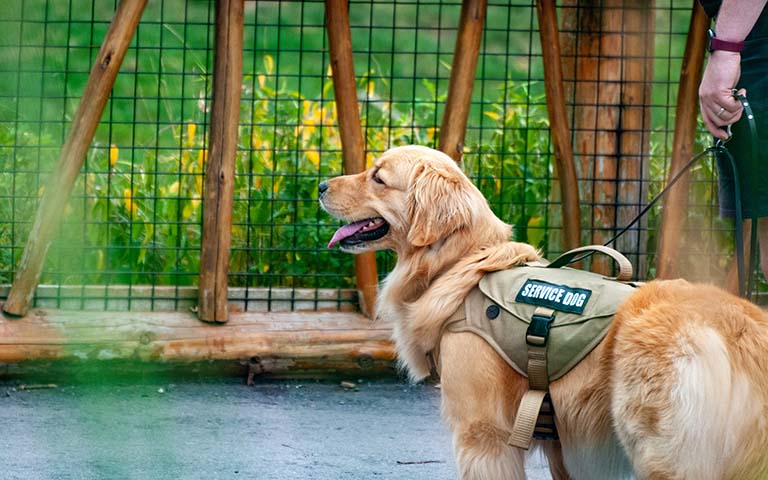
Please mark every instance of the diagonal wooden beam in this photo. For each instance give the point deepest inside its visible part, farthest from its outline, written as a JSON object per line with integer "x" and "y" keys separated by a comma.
{"x": 686, "y": 112}
{"x": 558, "y": 120}
{"x": 454, "y": 125}
{"x": 220, "y": 171}
{"x": 62, "y": 179}
{"x": 352, "y": 142}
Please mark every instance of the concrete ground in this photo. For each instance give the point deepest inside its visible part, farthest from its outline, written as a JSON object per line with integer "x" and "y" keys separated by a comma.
{"x": 222, "y": 429}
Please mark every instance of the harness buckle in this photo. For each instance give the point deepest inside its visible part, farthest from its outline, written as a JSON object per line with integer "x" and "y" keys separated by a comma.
{"x": 537, "y": 333}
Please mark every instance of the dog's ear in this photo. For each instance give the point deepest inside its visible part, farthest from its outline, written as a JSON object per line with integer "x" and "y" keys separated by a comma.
{"x": 438, "y": 204}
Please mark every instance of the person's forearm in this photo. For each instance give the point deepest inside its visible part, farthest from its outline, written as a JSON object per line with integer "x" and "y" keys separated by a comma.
{"x": 737, "y": 17}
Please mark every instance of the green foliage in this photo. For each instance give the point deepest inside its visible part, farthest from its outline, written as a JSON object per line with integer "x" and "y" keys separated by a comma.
{"x": 514, "y": 169}
{"x": 136, "y": 212}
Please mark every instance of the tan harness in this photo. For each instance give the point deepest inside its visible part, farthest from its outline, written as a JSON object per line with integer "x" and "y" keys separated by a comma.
{"x": 542, "y": 320}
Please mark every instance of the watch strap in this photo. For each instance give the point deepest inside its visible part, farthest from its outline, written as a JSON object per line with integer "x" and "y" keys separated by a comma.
{"x": 718, "y": 44}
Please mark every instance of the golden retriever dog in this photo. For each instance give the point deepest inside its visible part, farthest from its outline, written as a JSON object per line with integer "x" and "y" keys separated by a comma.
{"x": 678, "y": 389}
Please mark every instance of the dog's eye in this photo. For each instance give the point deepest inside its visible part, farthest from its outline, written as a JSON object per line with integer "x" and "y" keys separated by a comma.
{"x": 377, "y": 179}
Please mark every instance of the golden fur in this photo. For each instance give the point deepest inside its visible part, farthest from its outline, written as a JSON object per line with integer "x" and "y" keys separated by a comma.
{"x": 677, "y": 390}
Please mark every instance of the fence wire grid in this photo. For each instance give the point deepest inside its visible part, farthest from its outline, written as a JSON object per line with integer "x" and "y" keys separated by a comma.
{"x": 132, "y": 230}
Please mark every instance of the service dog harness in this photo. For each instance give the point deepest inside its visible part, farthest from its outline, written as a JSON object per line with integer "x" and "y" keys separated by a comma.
{"x": 543, "y": 320}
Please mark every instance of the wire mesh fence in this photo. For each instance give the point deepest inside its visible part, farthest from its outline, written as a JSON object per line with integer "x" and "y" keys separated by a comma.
{"x": 131, "y": 233}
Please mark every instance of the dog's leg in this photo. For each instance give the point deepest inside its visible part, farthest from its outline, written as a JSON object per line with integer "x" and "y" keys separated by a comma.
{"x": 482, "y": 453}
{"x": 554, "y": 453}
{"x": 480, "y": 393}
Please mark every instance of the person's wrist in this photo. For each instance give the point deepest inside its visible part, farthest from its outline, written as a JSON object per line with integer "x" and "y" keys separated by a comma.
{"x": 725, "y": 57}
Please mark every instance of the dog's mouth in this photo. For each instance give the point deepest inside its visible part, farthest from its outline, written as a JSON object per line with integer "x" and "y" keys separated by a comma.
{"x": 360, "y": 232}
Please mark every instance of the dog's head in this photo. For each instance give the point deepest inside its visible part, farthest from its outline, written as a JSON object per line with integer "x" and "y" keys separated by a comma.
{"x": 412, "y": 197}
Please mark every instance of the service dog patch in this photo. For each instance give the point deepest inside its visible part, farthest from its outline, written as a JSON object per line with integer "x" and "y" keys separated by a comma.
{"x": 557, "y": 297}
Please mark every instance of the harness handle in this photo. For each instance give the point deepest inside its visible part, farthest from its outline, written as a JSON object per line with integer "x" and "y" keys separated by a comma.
{"x": 625, "y": 266}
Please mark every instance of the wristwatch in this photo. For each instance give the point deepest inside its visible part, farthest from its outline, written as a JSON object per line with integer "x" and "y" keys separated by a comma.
{"x": 717, "y": 44}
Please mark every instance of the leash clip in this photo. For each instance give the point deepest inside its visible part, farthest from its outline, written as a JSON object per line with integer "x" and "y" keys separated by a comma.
{"x": 720, "y": 143}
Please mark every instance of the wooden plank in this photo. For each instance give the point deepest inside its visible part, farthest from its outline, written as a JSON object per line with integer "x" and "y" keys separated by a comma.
{"x": 454, "y": 125}
{"x": 353, "y": 144}
{"x": 62, "y": 179}
{"x": 558, "y": 119}
{"x": 220, "y": 172}
{"x": 686, "y": 113}
{"x": 163, "y": 337}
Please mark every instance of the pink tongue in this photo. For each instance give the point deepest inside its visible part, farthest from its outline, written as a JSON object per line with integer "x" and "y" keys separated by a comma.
{"x": 347, "y": 231}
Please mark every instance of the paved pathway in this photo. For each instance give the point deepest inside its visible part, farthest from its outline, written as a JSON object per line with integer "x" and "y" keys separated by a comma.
{"x": 223, "y": 429}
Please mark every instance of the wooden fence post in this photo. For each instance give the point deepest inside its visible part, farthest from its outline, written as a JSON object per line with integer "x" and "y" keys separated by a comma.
{"x": 686, "y": 111}
{"x": 353, "y": 145}
{"x": 62, "y": 179}
{"x": 558, "y": 120}
{"x": 220, "y": 172}
{"x": 454, "y": 125}
{"x": 608, "y": 64}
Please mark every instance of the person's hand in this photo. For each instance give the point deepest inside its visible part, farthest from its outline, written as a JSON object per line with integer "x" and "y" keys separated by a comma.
{"x": 718, "y": 105}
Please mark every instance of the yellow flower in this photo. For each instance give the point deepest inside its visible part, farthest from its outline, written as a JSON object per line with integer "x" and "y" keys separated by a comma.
{"x": 190, "y": 209}
{"x": 314, "y": 157}
{"x": 114, "y": 153}
{"x": 191, "y": 128}
{"x": 276, "y": 185}
{"x": 269, "y": 63}
{"x": 130, "y": 205}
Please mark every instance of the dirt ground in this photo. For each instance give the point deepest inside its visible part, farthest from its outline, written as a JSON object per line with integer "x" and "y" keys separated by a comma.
{"x": 222, "y": 429}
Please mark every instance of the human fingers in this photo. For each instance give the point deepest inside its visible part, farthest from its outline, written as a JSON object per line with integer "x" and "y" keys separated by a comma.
{"x": 726, "y": 115}
{"x": 720, "y": 108}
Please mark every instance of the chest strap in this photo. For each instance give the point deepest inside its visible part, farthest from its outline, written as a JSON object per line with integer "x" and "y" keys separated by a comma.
{"x": 536, "y": 415}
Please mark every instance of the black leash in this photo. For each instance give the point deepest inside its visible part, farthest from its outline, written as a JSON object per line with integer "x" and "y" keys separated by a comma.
{"x": 717, "y": 148}
{"x": 753, "y": 253}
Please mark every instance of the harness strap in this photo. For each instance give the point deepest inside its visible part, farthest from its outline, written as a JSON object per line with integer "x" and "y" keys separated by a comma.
{"x": 433, "y": 357}
{"x": 536, "y": 339}
{"x": 529, "y": 423}
{"x": 625, "y": 266}
{"x": 525, "y": 420}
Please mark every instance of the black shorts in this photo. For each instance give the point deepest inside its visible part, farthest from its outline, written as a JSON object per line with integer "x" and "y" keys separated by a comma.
{"x": 752, "y": 166}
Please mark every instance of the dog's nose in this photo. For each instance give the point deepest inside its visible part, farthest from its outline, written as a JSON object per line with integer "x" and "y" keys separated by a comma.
{"x": 322, "y": 187}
